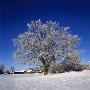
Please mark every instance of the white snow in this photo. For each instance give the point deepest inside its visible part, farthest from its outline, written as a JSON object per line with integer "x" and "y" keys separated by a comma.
{"x": 62, "y": 81}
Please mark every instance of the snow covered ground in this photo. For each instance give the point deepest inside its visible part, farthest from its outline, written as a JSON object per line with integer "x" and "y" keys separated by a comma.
{"x": 62, "y": 81}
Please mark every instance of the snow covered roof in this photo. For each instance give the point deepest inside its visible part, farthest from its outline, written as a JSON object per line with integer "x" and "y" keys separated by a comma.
{"x": 28, "y": 71}
{"x": 20, "y": 71}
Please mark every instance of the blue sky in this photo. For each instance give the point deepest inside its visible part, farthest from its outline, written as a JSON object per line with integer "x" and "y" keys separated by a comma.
{"x": 14, "y": 16}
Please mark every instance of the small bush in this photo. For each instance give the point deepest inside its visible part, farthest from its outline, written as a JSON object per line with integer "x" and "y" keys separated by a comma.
{"x": 66, "y": 67}
{"x": 8, "y": 72}
{"x": 56, "y": 69}
{"x": 1, "y": 72}
{"x": 2, "y": 68}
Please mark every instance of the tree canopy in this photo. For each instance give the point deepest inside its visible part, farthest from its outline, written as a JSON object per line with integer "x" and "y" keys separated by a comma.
{"x": 46, "y": 43}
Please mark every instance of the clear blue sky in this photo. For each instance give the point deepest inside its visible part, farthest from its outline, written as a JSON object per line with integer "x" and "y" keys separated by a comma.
{"x": 14, "y": 15}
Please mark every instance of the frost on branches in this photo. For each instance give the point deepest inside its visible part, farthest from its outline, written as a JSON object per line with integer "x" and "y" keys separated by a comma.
{"x": 45, "y": 43}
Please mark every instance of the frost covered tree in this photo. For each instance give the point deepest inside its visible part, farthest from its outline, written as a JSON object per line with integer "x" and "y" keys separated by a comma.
{"x": 44, "y": 43}
{"x": 12, "y": 69}
{"x": 2, "y": 68}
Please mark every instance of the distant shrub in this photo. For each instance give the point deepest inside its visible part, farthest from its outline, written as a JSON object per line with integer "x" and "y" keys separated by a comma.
{"x": 2, "y": 68}
{"x": 12, "y": 69}
{"x": 1, "y": 72}
{"x": 86, "y": 66}
{"x": 7, "y": 72}
{"x": 56, "y": 68}
{"x": 66, "y": 67}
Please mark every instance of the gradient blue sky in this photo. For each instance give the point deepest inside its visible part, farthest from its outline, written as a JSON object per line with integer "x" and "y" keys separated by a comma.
{"x": 14, "y": 15}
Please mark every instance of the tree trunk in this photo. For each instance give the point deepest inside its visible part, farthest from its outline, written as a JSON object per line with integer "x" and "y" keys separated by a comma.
{"x": 46, "y": 69}
{"x": 46, "y": 65}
